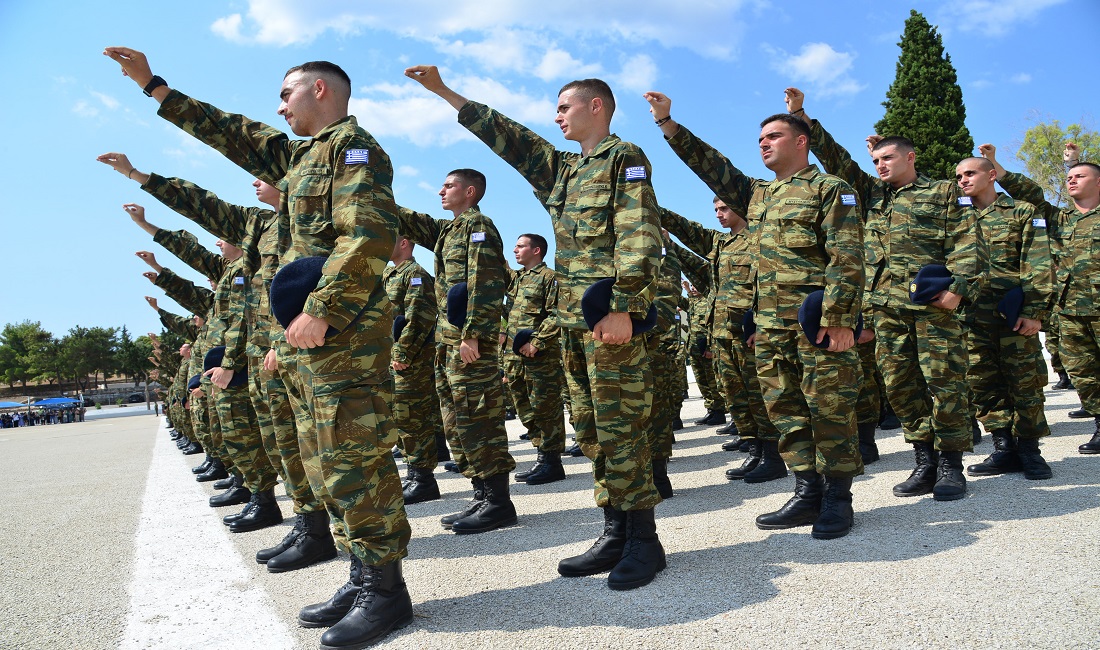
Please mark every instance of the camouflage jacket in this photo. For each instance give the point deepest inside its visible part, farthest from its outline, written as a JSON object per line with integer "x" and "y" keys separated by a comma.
{"x": 182, "y": 325}
{"x": 602, "y": 207}
{"x": 468, "y": 249}
{"x": 925, "y": 222}
{"x": 189, "y": 295}
{"x": 338, "y": 201}
{"x": 669, "y": 291}
{"x": 412, "y": 291}
{"x": 1019, "y": 255}
{"x": 532, "y": 298}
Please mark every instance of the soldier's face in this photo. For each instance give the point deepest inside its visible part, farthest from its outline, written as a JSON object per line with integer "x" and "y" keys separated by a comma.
{"x": 229, "y": 251}
{"x": 575, "y": 116}
{"x": 185, "y": 351}
{"x": 1083, "y": 182}
{"x": 779, "y": 145}
{"x": 972, "y": 179}
{"x": 454, "y": 194}
{"x": 727, "y": 217}
{"x": 298, "y": 103}
{"x": 268, "y": 194}
{"x": 892, "y": 164}
{"x": 524, "y": 251}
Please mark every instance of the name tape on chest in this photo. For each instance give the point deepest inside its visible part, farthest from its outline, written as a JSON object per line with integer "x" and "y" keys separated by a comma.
{"x": 416, "y": 282}
{"x": 847, "y": 199}
{"x": 356, "y": 157}
{"x": 966, "y": 200}
{"x": 477, "y": 236}
{"x": 1039, "y": 222}
{"x": 635, "y": 173}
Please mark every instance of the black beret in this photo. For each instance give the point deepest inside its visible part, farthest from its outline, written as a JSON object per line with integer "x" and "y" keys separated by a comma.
{"x": 809, "y": 318}
{"x": 1010, "y": 305}
{"x": 701, "y": 344}
{"x": 521, "y": 339}
{"x": 596, "y": 304}
{"x": 930, "y": 280}
{"x": 748, "y": 325}
{"x": 193, "y": 382}
{"x": 213, "y": 359}
{"x": 291, "y": 287}
{"x": 457, "y": 297}
{"x": 399, "y": 324}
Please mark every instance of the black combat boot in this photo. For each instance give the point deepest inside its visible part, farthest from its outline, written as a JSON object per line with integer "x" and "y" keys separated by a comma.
{"x": 712, "y": 418}
{"x": 420, "y": 487}
{"x": 888, "y": 419}
{"x": 264, "y": 514}
{"x": 381, "y": 606}
{"x": 975, "y": 431}
{"x": 923, "y": 477}
{"x": 548, "y": 469}
{"x": 265, "y": 554}
{"x": 950, "y": 482}
{"x": 442, "y": 453}
{"x": 749, "y": 464}
{"x": 605, "y": 552}
{"x": 660, "y": 478}
{"x": 233, "y": 480}
{"x": 332, "y": 610}
{"x": 521, "y": 477}
{"x": 802, "y": 509}
{"x": 734, "y": 443}
{"x": 312, "y": 545}
{"x": 214, "y": 472}
{"x": 677, "y": 424}
{"x": 867, "y": 447}
{"x": 1080, "y": 414}
{"x": 1093, "y": 445}
{"x": 1004, "y": 458}
{"x": 1034, "y": 466}
{"x": 229, "y": 519}
{"x": 771, "y": 464}
{"x": 174, "y": 435}
{"x": 236, "y": 494}
{"x": 493, "y": 512}
{"x": 575, "y": 450}
{"x": 479, "y": 496}
{"x": 182, "y": 442}
{"x": 727, "y": 430}
{"x": 202, "y": 467}
{"x": 1063, "y": 382}
{"x": 192, "y": 449}
{"x": 836, "y": 515}
{"x": 643, "y": 556}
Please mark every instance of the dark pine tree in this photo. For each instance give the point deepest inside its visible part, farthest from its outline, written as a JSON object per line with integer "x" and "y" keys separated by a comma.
{"x": 925, "y": 102}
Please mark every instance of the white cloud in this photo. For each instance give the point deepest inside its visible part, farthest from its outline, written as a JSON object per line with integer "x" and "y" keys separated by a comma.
{"x": 229, "y": 28}
{"x": 84, "y": 109}
{"x": 427, "y": 187}
{"x": 981, "y": 84}
{"x": 106, "y": 100}
{"x": 824, "y": 70}
{"x": 1020, "y": 78}
{"x": 406, "y": 170}
{"x": 638, "y": 74}
{"x": 990, "y": 17}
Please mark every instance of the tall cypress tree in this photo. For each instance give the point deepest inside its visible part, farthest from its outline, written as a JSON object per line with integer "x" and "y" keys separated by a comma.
{"x": 925, "y": 102}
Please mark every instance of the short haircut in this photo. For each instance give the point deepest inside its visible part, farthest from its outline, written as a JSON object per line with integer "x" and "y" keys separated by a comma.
{"x": 982, "y": 162}
{"x": 538, "y": 241}
{"x": 903, "y": 144}
{"x": 796, "y": 123}
{"x": 330, "y": 71}
{"x": 718, "y": 199}
{"x": 1091, "y": 165}
{"x": 591, "y": 88}
{"x": 471, "y": 178}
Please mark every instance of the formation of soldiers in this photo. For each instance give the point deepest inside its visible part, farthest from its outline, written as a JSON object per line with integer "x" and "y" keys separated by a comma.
{"x": 825, "y": 299}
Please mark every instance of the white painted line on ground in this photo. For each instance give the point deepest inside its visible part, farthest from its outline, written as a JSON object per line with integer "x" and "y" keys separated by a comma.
{"x": 190, "y": 588}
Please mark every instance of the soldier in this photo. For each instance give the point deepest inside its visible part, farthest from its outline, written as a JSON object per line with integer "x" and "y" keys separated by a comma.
{"x": 534, "y": 370}
{"x": 662, "y": 342}
{"x": 805, "y": 235}
{"x": 913, "y": 221}
{"x": 1007, "y": 371}
{"x": 415, "y": 403}
{"x": 701, "y": 357}
{"x": 604, "y": 214}
{"x": 1072, "y": 232}
{"x": 339, "y": 205}
{"x": 470, "y": 284}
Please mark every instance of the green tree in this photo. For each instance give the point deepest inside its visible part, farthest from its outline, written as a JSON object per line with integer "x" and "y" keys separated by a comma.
{"x": 132, "y": 356}
{"x": 1041, "y": 153}
{"x": 90, "y": 351}
{"x": 925, "y": 102}
{"x": 19, "y": 344}
{"x": 48, "y": 362}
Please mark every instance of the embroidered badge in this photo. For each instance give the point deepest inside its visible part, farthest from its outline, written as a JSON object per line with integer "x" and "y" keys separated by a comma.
{"x": 356, "y": 156}
{"x": 477, "y": 236}
{"x": 238, "y": 280}
{"x": 635, "y": 173}
{"x": 1039, "y": 223}
{"x": 966, "y": 200}
{"x": 416, "y": 282}
{"x": 847, "y": 199}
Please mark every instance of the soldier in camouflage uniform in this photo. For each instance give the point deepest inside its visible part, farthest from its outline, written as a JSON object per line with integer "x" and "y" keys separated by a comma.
{"x": 336, "y": 193}
{"x": 701, "y": 357}
{"x": 806, "y": 235}
{"x": 662, "y": 342}
{"x": 606, "y": 225}
{"x": 1007, "y": 371}
{"x": 535, "y": 374}
{"x": 1074, "y": 231}
{"x": 913, "y": 221}
{"x": 468, "y": 250}
{"x": 416, "y": 413}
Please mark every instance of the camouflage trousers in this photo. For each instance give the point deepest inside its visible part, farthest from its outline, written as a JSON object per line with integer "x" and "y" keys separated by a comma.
{"x": 1080, "y": 348}
{"x": 416, "y": 414}
{"x": 241, "y": 438}
{"x": 811, "y": 395}
{"x": 679, "y": 376}
{"x": 705, "y": 378}
{"x": 535, "y": 385}
{"x": 1053, "y": 345}
{"x": 346, "y": 438}
{"x": 611, "y": 397}
{"x": 923, "y": 357}
{"x": 471, "y": 401}
{"x": 1007, "y": 373}
{"x": 662, "y": 360}
{"x": 869, "y": 404}
{"x": 736, "y": 366}
{"x": 213, "y": 425}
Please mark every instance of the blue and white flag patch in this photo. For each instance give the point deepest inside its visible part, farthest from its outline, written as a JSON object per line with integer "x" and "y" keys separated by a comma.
{"x": 966, "y": 200}
{"x": 238, "y": 280}
{"x": 356, "y": 156}
{"x": 847, "y": 199}
{"x": 635, "y": 173}
{"x": 477, "y": 236}
{"x": 416, "y": 282}
{"x": 1039, "y": 223}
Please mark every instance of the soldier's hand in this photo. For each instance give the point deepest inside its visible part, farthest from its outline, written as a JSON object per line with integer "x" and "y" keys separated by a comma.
{"x": 794, "y": 98}
{"x": 866, "y": 336}
{"x": 136, "y": 212}
{"x": 197, "y": 392}
{"x": 427, "y": 76}
{"x": 150, "y": 276}
{"x": 708, "y": 355}
{"x": 306, "y": 331}
{"x": 988, "y": 151}
{"x": 750, "y": 343}
{"x": 873, "y": 140}
{"x": 152, "y": 302}
{"x": 1027, "y": 326}
{"x": 220, "y": 377}
{"x": 615, "y": 328}
{"x": 947, "y": 300}
{"x": 117, "y": 161}
{"x": 1071, "y": 155}
{"x": 659, "y": 104}
{"x": 271, "y": 361}
{"x": 469, "y": 351}
{"x": 528, "y": 350}
{"x": 398, "y": 366}
{"x": 840, "y": 338}
{"x": 134, "y": 64}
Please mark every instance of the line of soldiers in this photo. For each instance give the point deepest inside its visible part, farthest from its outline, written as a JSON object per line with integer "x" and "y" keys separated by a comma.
{"x": 309, "y": 358}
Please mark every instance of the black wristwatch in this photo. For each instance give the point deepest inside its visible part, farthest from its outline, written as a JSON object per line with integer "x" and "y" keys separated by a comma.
{"x": 156, "y": 82}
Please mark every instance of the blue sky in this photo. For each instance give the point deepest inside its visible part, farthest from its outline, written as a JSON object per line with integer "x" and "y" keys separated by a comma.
{"x": 68, "y": 246}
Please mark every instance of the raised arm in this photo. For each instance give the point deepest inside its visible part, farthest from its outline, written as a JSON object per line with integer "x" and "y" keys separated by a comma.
{"x": 699, "y": 239}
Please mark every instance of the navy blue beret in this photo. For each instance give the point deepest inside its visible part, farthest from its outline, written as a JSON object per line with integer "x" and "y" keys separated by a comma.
{"x": 1010, "y": 305}
{"x": 930, "y": 280}
{"x": 194, "y": 382}
{"x": 291, "y": 287}
{"x": 399, "y": 323}
{"x": 701, "y": 344}
{"x": 457, "y": 297}
{"x": 596, "y": 304}
{"x": 521, "y": 339}
{"x": 809, "y": 318}
{"x": 213, "y": 359}
{"x": 748, "y": 325}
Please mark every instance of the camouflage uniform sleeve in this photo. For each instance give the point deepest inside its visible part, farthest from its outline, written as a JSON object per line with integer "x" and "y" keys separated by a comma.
{"x": 699, "y": 239}
{"x": 842, "y": 224}
{"x": 715, "y": 170}
{"x": 421, "y": 312}
{"x": 181, "y": 325}
{"x": 836, "y": 160}
{"x": 529, "y": 154}
{"x": 235, "y": 338}
{"x": 183, "y": 245}
{"x": 1022, "y": 188}
{"x": 263, "y": 151}
{"x": 485, "y": 283}
{"x": 1036, "y": 269}
{"x": 547, "y": 336}
{"x": 694, "y": 267}
{"x": 421, "y": 228}
{"x": 189, "y": 295}
{"x": 223, "y": 220}
{"x": 638, "y": 242}
{"x": 365, "y": 233}
{"x": 966, "y": 248}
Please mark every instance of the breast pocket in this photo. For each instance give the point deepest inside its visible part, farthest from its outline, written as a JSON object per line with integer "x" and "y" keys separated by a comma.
{"x": 928, "y": 221}
{"x": 592, "y": 212}
{"x": 311, "y": 200}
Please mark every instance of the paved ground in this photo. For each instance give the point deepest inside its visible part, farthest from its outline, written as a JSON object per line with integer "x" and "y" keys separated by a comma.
{"x": 110, "y": 544}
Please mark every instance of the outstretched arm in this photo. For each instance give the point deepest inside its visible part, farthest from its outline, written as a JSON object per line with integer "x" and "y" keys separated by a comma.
{"x": 428, "y": 76}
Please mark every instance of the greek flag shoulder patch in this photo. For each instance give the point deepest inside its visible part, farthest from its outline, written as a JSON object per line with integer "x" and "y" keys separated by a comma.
{"x": 477, "y": 236}
{"x": 966, "y": 200}
{"x": 238, "y": 280}
{"x": 635, "y": 173}
{"x": 1039, "y": 222}
{"x": 847, "y": 199}
{"x": 356, "y": 157}
{"x": 416, "y": 282}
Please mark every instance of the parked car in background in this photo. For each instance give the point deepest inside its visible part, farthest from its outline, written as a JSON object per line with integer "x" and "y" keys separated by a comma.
{"x": 135, "y": 398}
{"x": 88, "y": 401}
